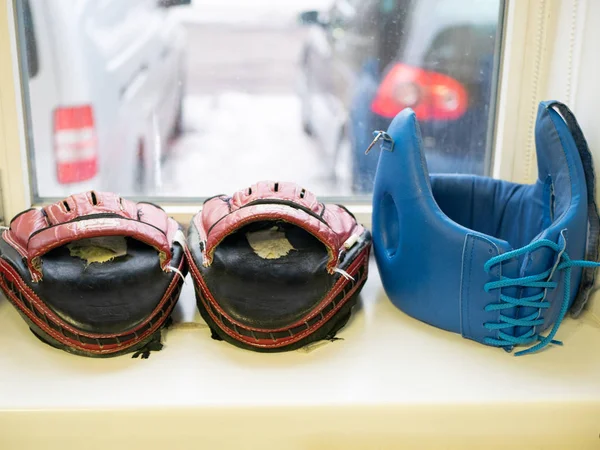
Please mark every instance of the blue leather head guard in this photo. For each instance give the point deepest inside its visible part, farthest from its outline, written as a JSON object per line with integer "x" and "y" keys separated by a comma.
{"x": 498, "y": 262}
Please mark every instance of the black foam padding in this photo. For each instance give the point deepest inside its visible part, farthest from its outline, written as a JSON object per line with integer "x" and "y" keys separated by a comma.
{"x": 111, "y": 297}
{"x": 269, "y": 293}
{"x": 107, "y": 297}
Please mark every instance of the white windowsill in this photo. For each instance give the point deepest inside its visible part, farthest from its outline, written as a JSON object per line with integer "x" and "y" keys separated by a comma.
{"x": 390, "y": 378}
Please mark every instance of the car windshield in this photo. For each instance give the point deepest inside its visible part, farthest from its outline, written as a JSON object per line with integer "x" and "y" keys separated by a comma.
{"x": 182, "y": 99}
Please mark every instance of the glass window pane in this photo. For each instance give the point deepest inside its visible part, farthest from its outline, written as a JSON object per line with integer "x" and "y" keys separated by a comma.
{"x": 183, "y": 100}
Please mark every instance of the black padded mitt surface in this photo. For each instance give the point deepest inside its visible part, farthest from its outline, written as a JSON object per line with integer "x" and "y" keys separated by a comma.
{"x": 104, "y": 297}
{"x": 274, "y": 268}
{"x": 269, "y": 293}
{"x": 94, "y": 274}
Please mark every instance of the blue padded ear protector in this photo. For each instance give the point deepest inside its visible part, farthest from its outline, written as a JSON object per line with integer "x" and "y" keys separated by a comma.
{"x": 498, "y": 262}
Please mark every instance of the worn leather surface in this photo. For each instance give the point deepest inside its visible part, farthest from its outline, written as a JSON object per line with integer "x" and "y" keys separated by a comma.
{"x": 282, "y": 303}
{"x": 266, "y": 200}
{"x": 91, "y": 214}
{"x": 283, "y": 290}
{"x": 432, "y": 235}
{"x": 101, "y": 308}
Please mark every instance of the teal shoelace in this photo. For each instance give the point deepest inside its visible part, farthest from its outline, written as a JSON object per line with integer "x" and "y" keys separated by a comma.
{"x": 538, "y": 301}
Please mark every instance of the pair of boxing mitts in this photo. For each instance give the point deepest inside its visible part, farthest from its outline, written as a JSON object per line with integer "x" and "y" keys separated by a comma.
{"x": 98, "y": 275}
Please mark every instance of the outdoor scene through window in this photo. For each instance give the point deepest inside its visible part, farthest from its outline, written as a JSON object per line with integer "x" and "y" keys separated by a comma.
{"x": 180, "y": 99}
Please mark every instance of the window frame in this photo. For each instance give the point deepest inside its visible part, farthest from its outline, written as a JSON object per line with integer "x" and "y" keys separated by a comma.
{"x": 519, "y": 88}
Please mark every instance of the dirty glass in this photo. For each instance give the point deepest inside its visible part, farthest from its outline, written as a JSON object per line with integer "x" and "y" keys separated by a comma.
{"x": 187, "y": 99}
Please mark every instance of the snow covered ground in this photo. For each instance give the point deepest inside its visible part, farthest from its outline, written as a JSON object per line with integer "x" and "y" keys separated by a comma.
{"x": 233, "y": 140}
{"x": 242, "y": 112}
{"x": 277, "y": 13}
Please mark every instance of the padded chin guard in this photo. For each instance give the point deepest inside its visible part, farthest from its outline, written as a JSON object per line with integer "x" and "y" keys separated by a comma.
{"x": 497, "y": 262}
{"x": 274, "y": 268}
{"x": 94, "y": 274}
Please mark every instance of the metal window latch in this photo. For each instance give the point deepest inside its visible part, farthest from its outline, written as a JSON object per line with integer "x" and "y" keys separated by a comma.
{"x": 387, "y": 144}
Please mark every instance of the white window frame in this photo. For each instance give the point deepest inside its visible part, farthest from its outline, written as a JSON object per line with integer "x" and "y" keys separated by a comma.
{"x": 14, "y": 179}
{"x": 542, "y": 49}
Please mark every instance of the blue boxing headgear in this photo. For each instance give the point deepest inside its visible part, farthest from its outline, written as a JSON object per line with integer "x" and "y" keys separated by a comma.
{"x": 498, "y": 262}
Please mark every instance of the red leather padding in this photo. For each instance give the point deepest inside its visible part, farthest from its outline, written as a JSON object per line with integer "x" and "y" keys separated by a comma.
{"x": 86, "y": 215}
{"x": 268, "y": 200}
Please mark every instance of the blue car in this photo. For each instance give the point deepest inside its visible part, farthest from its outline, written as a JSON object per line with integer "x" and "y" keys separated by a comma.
{"x": 364, "y": 61}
